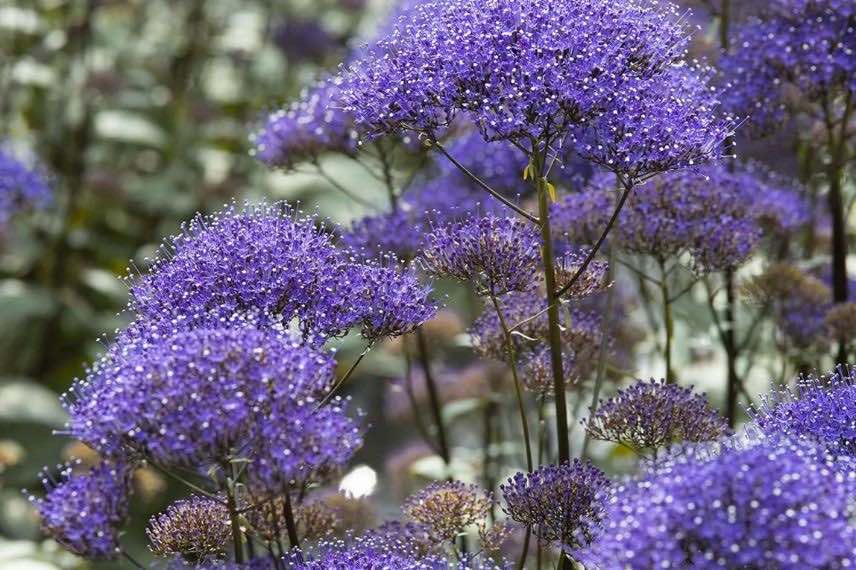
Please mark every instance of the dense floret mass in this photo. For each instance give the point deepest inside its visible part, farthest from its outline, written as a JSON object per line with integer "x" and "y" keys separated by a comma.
{"x": 496, "y": 255}
{"x": 84, "y": 511}
{"x": 448, "y": 508}
{"x": 196, "y": 397}
{"x": 272, "y": 262}
{"x": 562, "y": 504}
{"x": 516, "y": 69}
{"x": 769, "y": 505}
{"x": 311, "y": 126}
{"x": 194, "y": 528}
{"x": 821, "y": 409}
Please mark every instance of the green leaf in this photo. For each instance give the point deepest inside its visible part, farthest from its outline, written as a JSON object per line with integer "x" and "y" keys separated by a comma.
{"x": 529, "y": 171}
{"x": 551, "y": 190}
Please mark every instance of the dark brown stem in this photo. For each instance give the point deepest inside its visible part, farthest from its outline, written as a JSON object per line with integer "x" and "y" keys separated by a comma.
{"x": 731, "y": 349}
{"x": 433, "y": 396}
{"x": 835, "y": 173}
{"x": 290, "y": 524}
{"x": 724, "y": 24}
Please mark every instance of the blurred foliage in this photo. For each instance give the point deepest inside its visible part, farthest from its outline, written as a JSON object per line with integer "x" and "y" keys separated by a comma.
{"x": 141, "y": 110}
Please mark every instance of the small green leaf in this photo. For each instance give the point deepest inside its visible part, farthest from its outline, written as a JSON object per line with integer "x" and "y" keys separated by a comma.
{"x": 529, "y": 171}
{"x": 551, "y": 190}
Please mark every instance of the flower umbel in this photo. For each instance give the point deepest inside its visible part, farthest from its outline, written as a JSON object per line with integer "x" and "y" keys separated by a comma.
{"x": 195, "y": 529}
{"x": 448, "y": 508}
{"x": 651, "y": 415}
{"x": 561, "y": 503}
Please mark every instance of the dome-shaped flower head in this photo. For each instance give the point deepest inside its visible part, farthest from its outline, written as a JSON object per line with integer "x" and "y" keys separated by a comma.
{"x": 309, "y": 127}
{"x": 267, "y": 260}
{"x": 301, "y": 444}
{"x": 448, "y": 508}
{"x": 191, "y": 398}
{"x": 821, "y": 409}
{"x": 85, "y": 511}
{"x": 716, "y": 212}
{"x": 658, "y": 124}
{"x": 651, "y": 415}
{"x": 796, "y": 55}
{"x": 22, "y": 185}
{"x": 496, "y": 255}
{"x": 562, "y": 504}
{"x": 394, "y": 302}
{"x": 195, "y": 529}
{"x": 769, "y": 506}
{"x": 516, "y": 68}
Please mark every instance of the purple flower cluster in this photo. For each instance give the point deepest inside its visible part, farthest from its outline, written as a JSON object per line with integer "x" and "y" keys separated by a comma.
{"x": 581, "y": 337}
{"x": 374, "y": 551}
{"x": 716, "y": 212}
{"x": 195, "y": 398}
{"x": 85, "y": 511}
{"x": 300, "y": 445}
{"x": 394, "y": 302}
{"x": 311, "y": 126}
{"x": 21, "y": 185}
{"x": 821, "y": 409}
{"x": 658, "y": 124}
{"x": 195, "y": 529}
{"x": 496, "y": 255}
{"x": 448, "y": 508}
{"x": 561, "y": 503}
{"x": 275, "y": 263}
{"x": 651, "y": 415}
{"x": 795, "y": 52}
{"x": 767, "y": 506}
{"x": 516, "y": 69}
